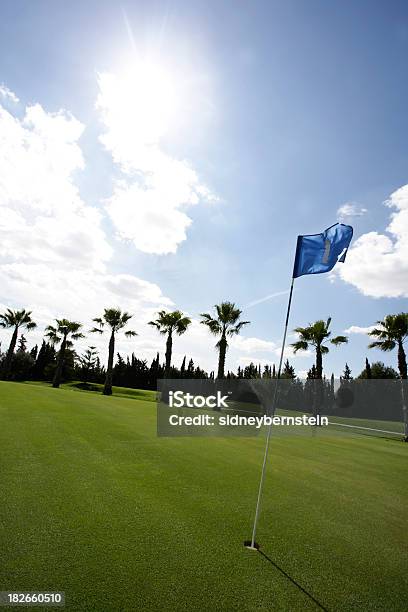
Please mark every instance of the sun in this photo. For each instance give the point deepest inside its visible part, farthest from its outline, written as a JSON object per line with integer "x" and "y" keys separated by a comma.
{"x": 141, "y": 100}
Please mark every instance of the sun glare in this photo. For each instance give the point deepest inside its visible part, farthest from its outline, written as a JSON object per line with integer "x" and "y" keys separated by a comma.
{"x": 142, "y": 100}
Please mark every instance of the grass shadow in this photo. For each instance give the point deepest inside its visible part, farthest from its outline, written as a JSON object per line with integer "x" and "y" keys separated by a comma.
{"x": 293, "y": 581}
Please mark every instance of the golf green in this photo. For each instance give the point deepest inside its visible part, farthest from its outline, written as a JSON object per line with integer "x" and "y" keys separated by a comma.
{"x": 96, "y": 505}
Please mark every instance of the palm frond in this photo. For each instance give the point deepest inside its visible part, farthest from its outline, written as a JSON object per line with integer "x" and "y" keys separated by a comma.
{"x": 182, "y": 325}
{"x": 213, "y": 325}
{"x": 125, "y": 318}
{"x": 315, "y": 333}
{"x": 77, "y": 336}
{"x": 383, "y": 345}
{"x": 393, "y": 327}
{"x": 228, "y": 313}
{"x": 378, "y": 332}
{"x": 206, "y": 316}
{"x": 304, "y": 333}
{"x": 130, "y": 333}
{"x": 52, "y": 335}
{"x": 17, "y": 318}
{"x": 6, "y": 321}
{"x": 235, "y": 330}
{"x": 226, "y": 320}
{"x": 339, "y": 340}
{"x": 300, "y": 345}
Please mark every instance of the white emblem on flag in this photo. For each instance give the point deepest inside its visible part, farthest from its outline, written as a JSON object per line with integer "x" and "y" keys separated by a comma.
{"x": 327, "y": 245}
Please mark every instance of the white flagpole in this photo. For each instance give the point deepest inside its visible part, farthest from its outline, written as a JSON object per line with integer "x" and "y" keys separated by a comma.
{"x": 253, "y": 545}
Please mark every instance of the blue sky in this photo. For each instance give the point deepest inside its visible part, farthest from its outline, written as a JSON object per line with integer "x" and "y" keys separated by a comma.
{"x": 275, "y": 115}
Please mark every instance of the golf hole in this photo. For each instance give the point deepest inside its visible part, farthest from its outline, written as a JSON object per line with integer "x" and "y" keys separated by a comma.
{"x": 248, "y": 544}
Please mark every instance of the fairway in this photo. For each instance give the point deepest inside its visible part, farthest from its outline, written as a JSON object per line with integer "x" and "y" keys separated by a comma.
{"x": 96, "y": 505}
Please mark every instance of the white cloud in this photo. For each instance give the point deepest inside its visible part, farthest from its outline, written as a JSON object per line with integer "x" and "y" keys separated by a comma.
{"x": 130, "y": 287}
{"x": 377, "y": 264}
{"x": 302, "y": 373}
{"x": 53, "y": 252}
{"x": 198, "y": 343}
{"x": 290, "y": 353}
{"x": 255, "y": 346}
{"x": 146, "y": 217}
{"x": 350, "y": 209}
{"x": 149, "y": 202}
{"x": 64, "y": 237}
{"x": 246, "y": 361}
{"x": 7, "y": 94}
{"x": 80, "y": 295}
{"x": 42, "y": 215}
{"x": 38, "y": 156}
{"x": 252, "y": 345}
{"x": 55, "y": 256}
{"x": 356, "y": 329}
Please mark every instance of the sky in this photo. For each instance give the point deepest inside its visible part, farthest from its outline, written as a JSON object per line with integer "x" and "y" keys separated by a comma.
{"x": 167, "y": 154}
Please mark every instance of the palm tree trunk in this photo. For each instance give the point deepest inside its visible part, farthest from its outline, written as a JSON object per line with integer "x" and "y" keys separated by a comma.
{"x": 10, "y": 353}
{"x": 319, "y": 363}
{"x": 317, "y": 384}
{"x": 107, "y": 390}
{"x": 60, "y": 363}
{"x": 402, "y": 360}
{"x": 402, "y": 367}
{"x": 169, "y": 348}
{"x": 221, "y": 358}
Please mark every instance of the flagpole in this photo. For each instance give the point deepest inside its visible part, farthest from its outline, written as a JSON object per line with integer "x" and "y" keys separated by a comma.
{"x": 253, "y": 545}
{"x": 320, "y": 254}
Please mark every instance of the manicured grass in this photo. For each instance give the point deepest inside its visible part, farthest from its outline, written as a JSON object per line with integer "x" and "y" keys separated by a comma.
{"x": 397, "y": 426}
{"x": 94, "y": 504}
{"x": 139, "y": 394}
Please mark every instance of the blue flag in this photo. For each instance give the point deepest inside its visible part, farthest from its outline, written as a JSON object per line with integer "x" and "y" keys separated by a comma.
{"x": 319, "y": 253}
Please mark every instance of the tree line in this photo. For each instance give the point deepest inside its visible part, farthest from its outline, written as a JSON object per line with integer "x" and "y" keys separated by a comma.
{"x": 57, "y": 360}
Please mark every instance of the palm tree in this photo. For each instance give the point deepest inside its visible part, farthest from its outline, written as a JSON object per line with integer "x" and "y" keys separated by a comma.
{"x": 116, "y": 320}
{"x": 226, "y": 323}
{"x": 168, "y": 323}
{"x": 392, "y": 333}
{"x": 315, "y": 335}
{"x": 61, "y": 333}
{"x": 15, "y": 319}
